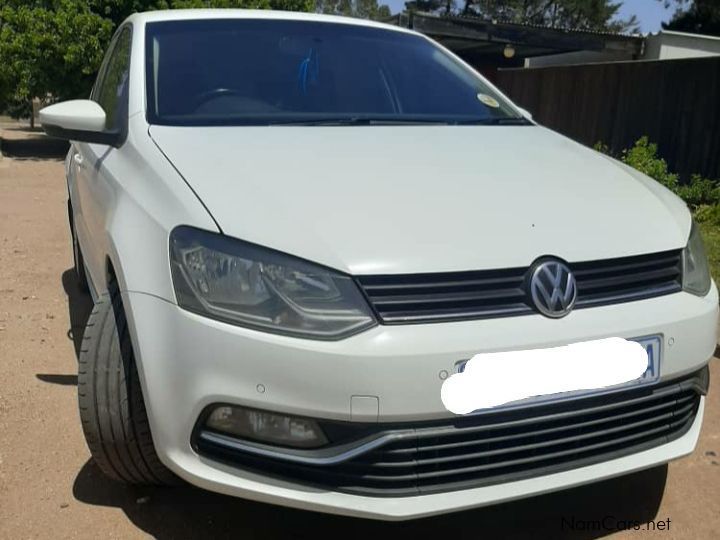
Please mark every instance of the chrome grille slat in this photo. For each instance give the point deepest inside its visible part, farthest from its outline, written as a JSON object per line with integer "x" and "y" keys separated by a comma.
{"x": 533, "y": 446}
{"x": 422, "y": 298}
{"x": 534, "y": 459}
{"x": 457, "y": 283}
{"x": 638, "y": 293}
{"x": 541, "y": 432}
{"x": 454, "y": 314}
{"x": 631, "y": 278}
{"x": 665, "y": 258}
{"x": 435, "y": 297}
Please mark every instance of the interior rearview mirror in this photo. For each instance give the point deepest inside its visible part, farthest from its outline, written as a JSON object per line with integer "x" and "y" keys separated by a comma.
{"x": 78, "y": 120}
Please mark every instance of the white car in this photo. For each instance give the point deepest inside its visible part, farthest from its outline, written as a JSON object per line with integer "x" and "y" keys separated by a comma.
{"x": 297, "y": 228}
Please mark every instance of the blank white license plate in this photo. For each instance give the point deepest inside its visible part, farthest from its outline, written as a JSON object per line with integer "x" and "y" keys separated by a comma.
{"x": 653, "y": 346}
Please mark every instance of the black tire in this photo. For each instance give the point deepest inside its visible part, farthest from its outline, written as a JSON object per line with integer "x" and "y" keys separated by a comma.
{"x": 112, "y": 409}
{"x": 78, "y": 260}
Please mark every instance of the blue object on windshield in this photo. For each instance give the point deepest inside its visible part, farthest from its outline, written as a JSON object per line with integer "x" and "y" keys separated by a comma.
{"x": 309, "y": 68}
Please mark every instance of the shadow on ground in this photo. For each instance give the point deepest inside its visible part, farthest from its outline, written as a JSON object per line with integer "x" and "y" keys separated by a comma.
{"x": 25, "y": 143}
{"x": 24, "y": 128}
{"x": 187, "y": 512}
{"x": 56, "y": 378}
{"x": 79, "y": 305}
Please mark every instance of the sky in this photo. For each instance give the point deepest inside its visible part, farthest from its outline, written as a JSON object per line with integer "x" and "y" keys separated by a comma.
{"x": 650, "y": 13}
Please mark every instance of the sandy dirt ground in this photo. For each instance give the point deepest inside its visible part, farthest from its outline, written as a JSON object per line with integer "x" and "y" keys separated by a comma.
{"x": 50, "y": 489}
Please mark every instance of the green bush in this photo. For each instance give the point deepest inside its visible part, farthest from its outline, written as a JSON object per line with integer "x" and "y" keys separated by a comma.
{"x": 643, "y": 157}
{"x": 709, "y": 214}
{"x": 700, "y": 192}
{"x": 702, "y": 195}
{"x": 602, "y": 148}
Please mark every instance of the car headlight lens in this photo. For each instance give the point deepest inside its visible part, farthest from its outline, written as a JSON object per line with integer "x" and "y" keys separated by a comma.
{"x": 248, "y": 285}
{"x": 696, "y": 273}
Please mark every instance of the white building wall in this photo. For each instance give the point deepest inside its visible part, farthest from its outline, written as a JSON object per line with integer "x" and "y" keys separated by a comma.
{"x": 665, "y": 45}
{"x": 579, "y": 57}
{"x": 668, "y": 45}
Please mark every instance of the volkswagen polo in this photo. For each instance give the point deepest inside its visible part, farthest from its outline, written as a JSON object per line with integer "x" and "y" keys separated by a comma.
{"x": 297, "y": 229}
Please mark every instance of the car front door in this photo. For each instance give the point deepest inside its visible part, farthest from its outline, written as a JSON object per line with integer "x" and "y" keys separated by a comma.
{"x": 92, "y": 163}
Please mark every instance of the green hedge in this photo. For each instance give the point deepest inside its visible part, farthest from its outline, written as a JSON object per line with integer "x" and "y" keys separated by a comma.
{"x": 701, "y": 194}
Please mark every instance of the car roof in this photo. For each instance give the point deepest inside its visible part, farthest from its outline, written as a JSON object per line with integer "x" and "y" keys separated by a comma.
{"x": 198, "y": 14}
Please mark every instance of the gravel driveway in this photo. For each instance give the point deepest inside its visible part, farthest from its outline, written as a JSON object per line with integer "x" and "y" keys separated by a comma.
{"x": 49, "y": 488}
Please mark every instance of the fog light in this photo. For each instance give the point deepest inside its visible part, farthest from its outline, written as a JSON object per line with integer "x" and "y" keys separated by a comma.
{"x": 266, "y": 427}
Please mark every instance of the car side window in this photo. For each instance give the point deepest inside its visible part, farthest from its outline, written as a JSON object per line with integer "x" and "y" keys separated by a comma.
{"x": 111, "y": 90}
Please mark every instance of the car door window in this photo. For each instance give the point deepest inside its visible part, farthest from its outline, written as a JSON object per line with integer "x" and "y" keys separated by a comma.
{"x": 111, "y": 90}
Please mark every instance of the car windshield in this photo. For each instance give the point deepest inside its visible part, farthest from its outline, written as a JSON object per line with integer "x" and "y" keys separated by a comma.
{"x": 264, "y": 71}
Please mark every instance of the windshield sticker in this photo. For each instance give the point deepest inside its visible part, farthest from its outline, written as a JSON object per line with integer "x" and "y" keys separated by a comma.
{"x": 488, "y": 100}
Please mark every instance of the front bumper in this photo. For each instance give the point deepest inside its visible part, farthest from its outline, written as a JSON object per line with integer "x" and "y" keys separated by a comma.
{"x": 469, "y": 451}
{"x": 387, "y": 374}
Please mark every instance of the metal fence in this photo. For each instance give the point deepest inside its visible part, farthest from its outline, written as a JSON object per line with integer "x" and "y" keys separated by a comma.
{"x": 676, "y": 103}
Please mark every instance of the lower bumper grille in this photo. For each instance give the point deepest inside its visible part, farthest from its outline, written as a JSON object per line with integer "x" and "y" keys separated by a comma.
{"x": 487, "y": 448}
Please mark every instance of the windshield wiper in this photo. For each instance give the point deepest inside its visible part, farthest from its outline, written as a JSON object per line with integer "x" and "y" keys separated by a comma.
{"x": 380, "y": 121}
{"x": 505, "y": 121}
{"x": 361, "y": 120}
{"x": 357, "y": 121}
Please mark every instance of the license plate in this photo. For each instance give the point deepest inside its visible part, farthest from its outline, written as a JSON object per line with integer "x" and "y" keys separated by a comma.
{"x": 653, "y": 347}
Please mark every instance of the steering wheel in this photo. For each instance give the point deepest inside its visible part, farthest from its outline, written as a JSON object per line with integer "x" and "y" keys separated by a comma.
{"x": 215, "y": 93}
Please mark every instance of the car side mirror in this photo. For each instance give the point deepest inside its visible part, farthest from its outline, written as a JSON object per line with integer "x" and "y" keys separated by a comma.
{"x": 527, "y": 114}
{"x": 78, "y": 120}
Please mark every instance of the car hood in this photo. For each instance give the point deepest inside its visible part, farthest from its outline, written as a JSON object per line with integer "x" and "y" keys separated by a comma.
{"x": 410, "y": 199}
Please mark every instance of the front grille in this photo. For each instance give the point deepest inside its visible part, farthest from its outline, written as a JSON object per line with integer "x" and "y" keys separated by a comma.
{"x": 487, "y": 448}
{"x": 416, "y": 298}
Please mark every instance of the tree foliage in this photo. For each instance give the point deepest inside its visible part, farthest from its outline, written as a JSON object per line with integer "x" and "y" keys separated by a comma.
{"x": 48, "y": 47}
{"x": 580, "y": 14}
{"x": 118, "y": 10}
{"x": 696, "y": 16}
{"x": 364, "y": 9}
{"x": 56, "y": 46}
{"x": 445, "y": 7}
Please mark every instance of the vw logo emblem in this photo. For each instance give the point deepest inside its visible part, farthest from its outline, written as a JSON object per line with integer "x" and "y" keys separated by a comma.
{"x": 553, "y": 289}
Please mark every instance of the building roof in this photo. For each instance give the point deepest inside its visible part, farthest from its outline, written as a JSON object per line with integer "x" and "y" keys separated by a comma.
{"x": 473, "y": 37}
{"x": 545, "y": 27}
{"x": 699, "y": 37}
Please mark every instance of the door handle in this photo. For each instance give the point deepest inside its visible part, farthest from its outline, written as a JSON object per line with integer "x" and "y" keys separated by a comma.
{"x": 78, "y": 159}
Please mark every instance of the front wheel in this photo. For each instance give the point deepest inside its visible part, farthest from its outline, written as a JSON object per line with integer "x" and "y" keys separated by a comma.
{"x": 112, "y": 408}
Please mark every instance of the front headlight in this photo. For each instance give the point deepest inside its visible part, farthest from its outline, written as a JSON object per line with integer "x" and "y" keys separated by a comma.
{"x": 696, "y": 273}
{"x": 248, "y": 285}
